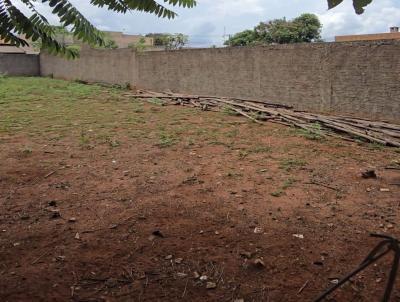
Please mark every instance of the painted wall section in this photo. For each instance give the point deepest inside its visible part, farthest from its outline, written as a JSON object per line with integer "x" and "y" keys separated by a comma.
{"x": 19, "y": 64}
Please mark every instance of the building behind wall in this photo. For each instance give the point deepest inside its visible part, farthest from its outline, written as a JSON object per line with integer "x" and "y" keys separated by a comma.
{"x": 6, "y": 47}
{"x": 394, "y": 34}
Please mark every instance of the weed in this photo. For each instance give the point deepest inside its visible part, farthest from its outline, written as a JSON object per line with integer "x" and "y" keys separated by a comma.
{"x": 27, "y": 151}
{"x": 286, "y": 184}
{"x": 234, "y": 174}
{"x": 156, "y": 101}
{"x": 190, "y": 142}
{"x": 259, "y": 116}
{"x": 166, "y": 140}
{"x": 229, "y": 111}
{"x": 375, "y": 146}
{"x": 277, "y": 193}
{"x": 243, "y": 154}
{"x": 339, "y": 194}
{"x": 289, "y": 164}
{"x": 84, "y": 139}
{"x": 232, "y": 133}
{"x": 313, "y": 133}
{"x": 260, "y": 149}
{"x": 138, "y": 108}
{"x": 114, "y": 143}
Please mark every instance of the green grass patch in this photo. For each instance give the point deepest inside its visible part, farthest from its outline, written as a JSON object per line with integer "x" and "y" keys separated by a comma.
{"x": 166, "y": 140}
{"x": 290, "y": 164}
{"x": 281, "y": 191}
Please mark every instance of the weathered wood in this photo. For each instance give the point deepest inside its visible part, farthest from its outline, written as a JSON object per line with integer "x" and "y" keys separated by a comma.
{"x": 246, "y": 115}
{"x": 373, "y": 131}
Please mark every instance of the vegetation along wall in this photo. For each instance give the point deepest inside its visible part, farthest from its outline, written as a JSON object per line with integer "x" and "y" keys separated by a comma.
{"x": 359, "y": 79}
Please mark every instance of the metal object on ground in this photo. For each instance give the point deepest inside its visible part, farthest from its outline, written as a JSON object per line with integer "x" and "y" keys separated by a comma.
{"x": 387, "y": 245}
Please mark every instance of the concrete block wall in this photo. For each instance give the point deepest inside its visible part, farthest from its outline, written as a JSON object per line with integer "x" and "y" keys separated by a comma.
{"x": 360, "y": 79}
{"x": 114, "y": 66}
{"x": 19, "y": 64}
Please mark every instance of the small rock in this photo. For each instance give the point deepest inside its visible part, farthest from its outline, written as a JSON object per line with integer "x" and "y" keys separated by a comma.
{"x": 211, "y": 285}
{"x": 181, "y": 275}
{"x": 77, "y": 236}
{"x": 151, "y": 237}
{"x": 25, "y": 216}
{"x": 258, "y": 230}
{"x": 158, "y": 233}
{"x": 368, "y": 174}
{"x": 300, "y": 236}
{"x": 246, "y": 255}
{"x": 384, "y": 190}
{"x": 178, "y": 260}
{"x": 216, "y": 233}
{"x": 390, "y": 226}
{"x": 203, "y": 278}
{"x": 55, "y": 214}
{"x": 258, "y": 263}
{"x": 111, "y": 282}
{"x": 60, "y": 258}
{"x": 72, "y": 219}
{"x": 52, "y": 203}
{"x": 168, "y": 257}
{"x": 196, "y": 275}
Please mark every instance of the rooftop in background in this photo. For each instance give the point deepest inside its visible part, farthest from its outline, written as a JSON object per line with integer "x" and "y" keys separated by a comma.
{"x": 394, "y": 34}
{"x": 6, "y": 47}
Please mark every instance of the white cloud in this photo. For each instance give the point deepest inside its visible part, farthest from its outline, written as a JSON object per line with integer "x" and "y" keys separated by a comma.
{"x": 378, "y": 17}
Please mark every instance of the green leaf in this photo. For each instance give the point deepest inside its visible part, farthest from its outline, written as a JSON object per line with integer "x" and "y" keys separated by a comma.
{"x": 358, "y": 5}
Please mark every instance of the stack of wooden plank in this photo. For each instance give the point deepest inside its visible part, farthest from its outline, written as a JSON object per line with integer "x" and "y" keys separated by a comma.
{"x": 348, "y": 128}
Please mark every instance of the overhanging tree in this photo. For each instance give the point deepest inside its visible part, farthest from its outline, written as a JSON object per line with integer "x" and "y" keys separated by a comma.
{"x": 14, "y": 23}
{"x": 359, "y": 5}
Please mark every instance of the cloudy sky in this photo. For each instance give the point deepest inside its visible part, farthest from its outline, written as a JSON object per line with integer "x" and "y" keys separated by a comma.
{"x": 207, "y": 23}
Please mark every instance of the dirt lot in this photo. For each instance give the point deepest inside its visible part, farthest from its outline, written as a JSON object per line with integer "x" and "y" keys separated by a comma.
{"x": 104, "y": 198}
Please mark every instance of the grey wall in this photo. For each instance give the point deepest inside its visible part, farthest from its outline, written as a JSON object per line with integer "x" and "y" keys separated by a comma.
{"x": 357, "y": 79}
{"x": 19, "y": 64}
{"x": 94, "y": 65}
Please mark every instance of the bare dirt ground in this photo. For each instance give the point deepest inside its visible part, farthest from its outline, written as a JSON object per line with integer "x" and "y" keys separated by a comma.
{"x": 104, "y": 198}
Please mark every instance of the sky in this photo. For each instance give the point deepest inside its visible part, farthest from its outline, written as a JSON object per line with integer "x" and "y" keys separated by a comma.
{"x": 211, "y": 21}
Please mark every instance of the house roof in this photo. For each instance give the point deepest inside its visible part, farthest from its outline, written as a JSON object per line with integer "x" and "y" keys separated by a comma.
{"x": 6, "y": 48}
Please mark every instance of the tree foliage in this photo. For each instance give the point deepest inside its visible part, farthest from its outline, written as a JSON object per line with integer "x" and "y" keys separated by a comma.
{"x": 305, "y": 28}
{"x": 14, "y": 23}
{"x": 139, "y": 46}
{"x": 169, "y": 41}
{"x": 359, "y": 5}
